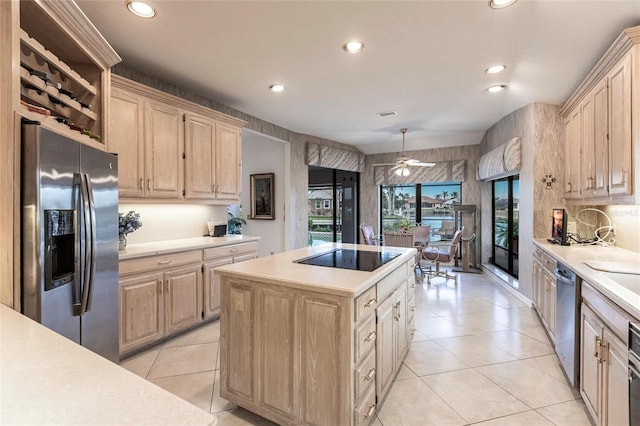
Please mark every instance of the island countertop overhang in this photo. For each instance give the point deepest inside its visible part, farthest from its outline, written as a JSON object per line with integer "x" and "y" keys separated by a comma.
{"x": 281, "y": 269}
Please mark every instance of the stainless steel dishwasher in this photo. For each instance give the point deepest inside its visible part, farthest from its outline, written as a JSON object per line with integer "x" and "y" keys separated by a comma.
{"x": 568, "y": 321}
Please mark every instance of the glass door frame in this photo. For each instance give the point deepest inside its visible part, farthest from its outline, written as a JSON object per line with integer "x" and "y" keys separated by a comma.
{"x": 511, "y": 253}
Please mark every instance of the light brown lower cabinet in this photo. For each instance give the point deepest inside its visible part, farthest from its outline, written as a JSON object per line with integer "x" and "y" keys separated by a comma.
{"x": 544, "y": 289}
{"x": 163, "y": 295}
{"x": 298, "y": 356}
{"x": 604, "y": 362}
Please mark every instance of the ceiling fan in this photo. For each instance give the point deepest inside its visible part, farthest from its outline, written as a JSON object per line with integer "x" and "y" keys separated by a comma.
{"x": 402, "y": 164}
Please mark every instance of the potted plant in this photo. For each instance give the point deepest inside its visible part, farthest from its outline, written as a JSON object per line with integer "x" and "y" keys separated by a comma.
{"x": 234, "y": 224}
{"x": 126, "y": 225}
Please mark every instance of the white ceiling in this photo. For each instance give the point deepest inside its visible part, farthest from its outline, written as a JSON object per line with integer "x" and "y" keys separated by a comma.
{"x": 425, "y": 59}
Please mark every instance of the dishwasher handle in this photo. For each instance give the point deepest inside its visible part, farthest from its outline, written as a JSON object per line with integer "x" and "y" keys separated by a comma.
{"x": 563, "y": 279}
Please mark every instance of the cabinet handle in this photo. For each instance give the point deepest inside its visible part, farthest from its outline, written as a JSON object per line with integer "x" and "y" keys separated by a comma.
{"x": 233, "y": 250}
{"x": 160, "y": 284}
{"x": 372, "y": 409}
{"x": 369, "y": 303}
{"x": 413, "y": 309}
{"x": 624, "y": 175}
{"x": 370, "y": 374}
{"x": 164, "y": 262}
{"x": 598, "y": 344}
{"x": 604, "y": 352}
{"x": 370, "y": 336}
{"x": 148, "y": 184}
{"x": 413, "y": 285}
{"x": 141, "y": 184}
{"x": 413, "y": 332}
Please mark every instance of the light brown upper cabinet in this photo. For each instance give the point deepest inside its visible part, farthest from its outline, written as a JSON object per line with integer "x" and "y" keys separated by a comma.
{"x": 212, "y": 159}
{"x": 170, "y": 148}
{"x": 602, "y": 128}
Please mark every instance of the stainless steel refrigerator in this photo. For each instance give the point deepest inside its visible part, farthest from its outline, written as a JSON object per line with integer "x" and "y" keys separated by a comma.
{"x": 70, "y": 239}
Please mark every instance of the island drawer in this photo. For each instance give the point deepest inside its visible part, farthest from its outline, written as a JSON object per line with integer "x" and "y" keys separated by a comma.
{"x": 230, "y": 250}
{"x": 366, "y": 304}
{"x": 153, "y": 263}
{"x": 365, "y": 339}
{"x": 365, "y": 375}
{"x": 365, "y": 411}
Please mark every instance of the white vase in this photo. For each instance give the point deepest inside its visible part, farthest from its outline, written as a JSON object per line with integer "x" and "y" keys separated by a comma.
{"x": 122, "y": 242}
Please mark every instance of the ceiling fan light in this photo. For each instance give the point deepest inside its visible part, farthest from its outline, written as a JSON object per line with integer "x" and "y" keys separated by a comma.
{"x": 398, "y": 172}
{"x": 405, "y": 172}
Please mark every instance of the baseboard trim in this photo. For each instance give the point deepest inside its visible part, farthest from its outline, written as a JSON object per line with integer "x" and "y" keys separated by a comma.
{"x": 489, "y": 269}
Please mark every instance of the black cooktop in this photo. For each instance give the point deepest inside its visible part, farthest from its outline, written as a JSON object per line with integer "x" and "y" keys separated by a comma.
{"x": 358, "y": 260}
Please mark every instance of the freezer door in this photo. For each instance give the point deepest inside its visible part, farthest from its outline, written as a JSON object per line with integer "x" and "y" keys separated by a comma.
{"x": 101, "y": 301}
{"x": 49, "y": 164}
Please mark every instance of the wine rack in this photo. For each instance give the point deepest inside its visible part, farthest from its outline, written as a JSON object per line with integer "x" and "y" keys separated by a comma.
{"x": 55, "y": 92}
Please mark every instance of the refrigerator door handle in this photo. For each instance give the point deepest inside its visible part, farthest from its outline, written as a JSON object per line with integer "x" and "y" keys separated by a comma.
{"x": 92, "y": 234}
{"x": 88, "y": 255}
{"x": 78, "y": 283}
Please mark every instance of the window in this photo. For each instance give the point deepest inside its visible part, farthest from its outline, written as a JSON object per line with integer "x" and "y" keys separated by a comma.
{"x": 327, "y": 204}
{"x": 399, "y": 205}
{"x": 318, "y": 204}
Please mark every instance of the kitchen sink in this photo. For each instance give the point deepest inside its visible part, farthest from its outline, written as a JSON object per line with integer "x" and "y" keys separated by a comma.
{"x": 629, "y": 281}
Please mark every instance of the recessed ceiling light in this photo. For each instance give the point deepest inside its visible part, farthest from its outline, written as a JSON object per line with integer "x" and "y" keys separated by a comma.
{"x": 276, "y": 88}
{"x": 501, "y": 4}
{"x": 497, "y": 88}
{"x": 353, "y": 46}
{"x": 141, "y": 9}
{"x": 495, "y": 69}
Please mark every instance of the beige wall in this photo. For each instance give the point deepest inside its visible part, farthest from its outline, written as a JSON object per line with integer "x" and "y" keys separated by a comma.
{"x": 542, "y": 132}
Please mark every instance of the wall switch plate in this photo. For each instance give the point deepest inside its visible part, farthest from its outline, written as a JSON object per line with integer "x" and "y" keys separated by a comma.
{"x": 571, "y": 227}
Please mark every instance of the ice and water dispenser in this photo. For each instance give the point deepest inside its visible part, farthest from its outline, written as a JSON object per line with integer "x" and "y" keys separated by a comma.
{"x": 59, "y": 259}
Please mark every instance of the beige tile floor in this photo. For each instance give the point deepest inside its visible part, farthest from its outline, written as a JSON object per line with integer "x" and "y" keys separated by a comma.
{"x": 480, "y": 356}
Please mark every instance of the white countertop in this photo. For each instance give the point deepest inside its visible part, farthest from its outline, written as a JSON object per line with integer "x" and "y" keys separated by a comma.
{"x": 47, "y": 379}
{"x": 171, "y": 246}
{"x": 281, "y": 269}
{"x": 575, "y": 256}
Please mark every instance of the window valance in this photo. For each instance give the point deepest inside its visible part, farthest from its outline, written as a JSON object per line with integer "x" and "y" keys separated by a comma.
{"x": 334, "y": 158}
{"x": 502, "y": 161}
{"x": 443, "y": 171}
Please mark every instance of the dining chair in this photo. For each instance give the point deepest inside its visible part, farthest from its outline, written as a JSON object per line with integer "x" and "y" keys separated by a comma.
{"x": 439, "y": 256}
{"x": 402, "y": 239}
{"x": 369, "y": 236}
{"x": 421, "y": 239}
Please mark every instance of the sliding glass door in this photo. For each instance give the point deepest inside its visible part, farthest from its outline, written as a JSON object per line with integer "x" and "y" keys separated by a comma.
{"x": 506, "y": 220}
{"x": 333, "y": 206}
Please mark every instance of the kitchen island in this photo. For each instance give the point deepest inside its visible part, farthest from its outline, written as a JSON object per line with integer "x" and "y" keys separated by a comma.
{"x": 308, "y": 344}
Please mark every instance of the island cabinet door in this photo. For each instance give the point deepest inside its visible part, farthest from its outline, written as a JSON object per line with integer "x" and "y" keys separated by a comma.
{"x": 278, "y": 363}
{"x": 401, "y": 338}
{"x": 212, "y": 287}
{"x": 385, "y": 349}
{"x": 325, "y": 360}
{"x": 237, "y": 350}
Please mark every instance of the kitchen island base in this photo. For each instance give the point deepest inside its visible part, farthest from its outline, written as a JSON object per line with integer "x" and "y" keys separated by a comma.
{"x": 299, "y": 353}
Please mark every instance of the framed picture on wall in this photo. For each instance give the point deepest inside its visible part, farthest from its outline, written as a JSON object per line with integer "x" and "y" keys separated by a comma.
{"x": 262, "y": 192}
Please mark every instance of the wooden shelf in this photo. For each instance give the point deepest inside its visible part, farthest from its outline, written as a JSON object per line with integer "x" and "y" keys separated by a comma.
{"x": 37, "y": 83}
{"x": 61, "y": 128}
{"x": 52, "y": 60}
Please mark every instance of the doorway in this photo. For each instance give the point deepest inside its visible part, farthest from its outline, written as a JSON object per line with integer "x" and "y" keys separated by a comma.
{"x": 506, "y": 222}
{"x": 333, "y": 206}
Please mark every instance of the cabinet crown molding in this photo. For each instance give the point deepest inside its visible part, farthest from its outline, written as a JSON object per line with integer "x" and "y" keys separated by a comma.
{"x": 625, "y": 41}
{"x": 73, "y": 21}
{"x": 141, "y": 89}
